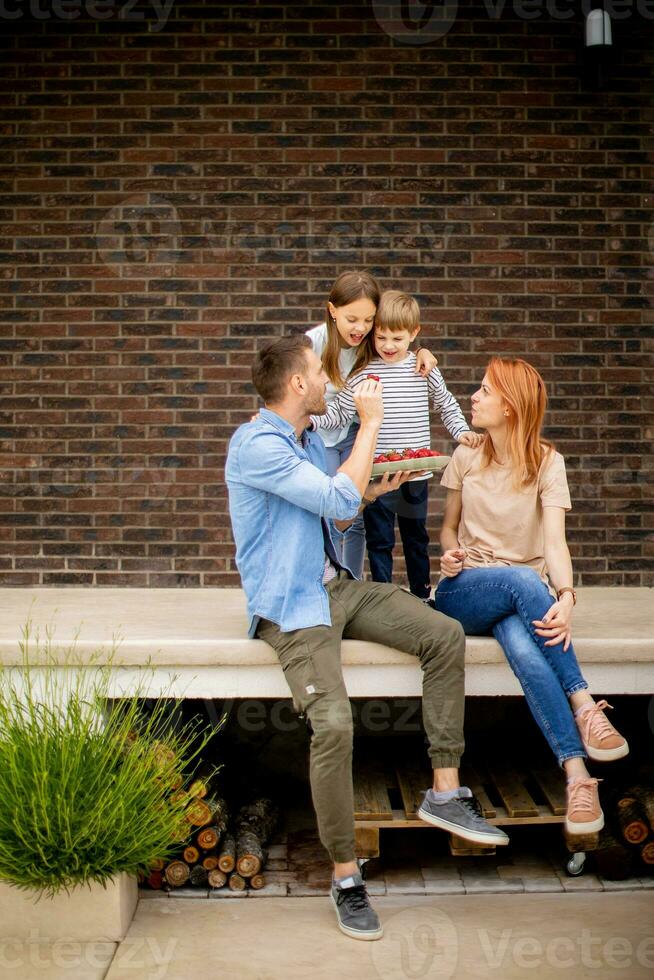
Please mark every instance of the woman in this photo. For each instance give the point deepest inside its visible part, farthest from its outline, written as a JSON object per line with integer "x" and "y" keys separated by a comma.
{"x": 340, "y": 343}
{"x": 506, "y": 570}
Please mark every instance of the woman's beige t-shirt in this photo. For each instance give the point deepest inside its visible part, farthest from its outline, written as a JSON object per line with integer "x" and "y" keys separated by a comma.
{"x": 500, "y": 525}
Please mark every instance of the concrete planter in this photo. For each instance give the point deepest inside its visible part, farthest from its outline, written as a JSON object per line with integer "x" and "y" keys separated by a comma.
{"x": 88, "y": 913}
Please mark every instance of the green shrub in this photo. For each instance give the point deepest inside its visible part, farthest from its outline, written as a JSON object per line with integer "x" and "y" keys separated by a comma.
{"x": 86, "y": 791}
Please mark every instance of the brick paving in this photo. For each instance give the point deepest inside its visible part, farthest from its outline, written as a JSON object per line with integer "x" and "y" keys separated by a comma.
{"x": 413, "y": 864}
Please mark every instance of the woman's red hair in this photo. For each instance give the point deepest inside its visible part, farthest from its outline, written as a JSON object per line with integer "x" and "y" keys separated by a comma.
{"x": 523, "y": 390}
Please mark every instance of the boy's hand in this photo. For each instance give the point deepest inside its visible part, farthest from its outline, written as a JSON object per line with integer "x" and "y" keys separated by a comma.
{"x": 452, "y": 562}
{"x": 425, "y": 362}
{"x": 471, "y": 439}
{"x": 368, "y": 403}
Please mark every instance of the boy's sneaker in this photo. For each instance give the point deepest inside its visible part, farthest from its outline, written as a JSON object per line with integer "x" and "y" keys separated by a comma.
{"x": 584, "y": 814}
{"x": 602, "y": 741}
{"x": 356, "y": 917}
{"x": 462, "y": 816}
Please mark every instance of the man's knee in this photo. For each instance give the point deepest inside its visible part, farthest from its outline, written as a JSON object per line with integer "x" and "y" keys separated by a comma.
{"x": 451, "y": 634}
{"x": 448, "y": 638}
{"x": 331, "y": 722}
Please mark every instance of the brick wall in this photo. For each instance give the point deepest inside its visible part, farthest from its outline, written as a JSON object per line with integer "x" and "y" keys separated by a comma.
{"x": 170, "y": 197}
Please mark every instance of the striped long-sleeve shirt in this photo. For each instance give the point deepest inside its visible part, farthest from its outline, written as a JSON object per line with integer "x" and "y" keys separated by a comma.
{"x": 407, "y": 397}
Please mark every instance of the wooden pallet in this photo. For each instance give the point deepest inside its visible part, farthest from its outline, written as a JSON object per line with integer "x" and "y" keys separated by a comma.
{"x": 388, "y": 797}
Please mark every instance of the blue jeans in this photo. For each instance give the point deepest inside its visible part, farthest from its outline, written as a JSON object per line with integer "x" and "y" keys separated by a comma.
{"x": 503, "y": 601}
{"x": 350, "y": 544}
{"x": 409, "y": 505}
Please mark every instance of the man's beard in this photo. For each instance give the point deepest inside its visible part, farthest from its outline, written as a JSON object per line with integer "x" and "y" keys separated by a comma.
{"x": 317, "y": 405}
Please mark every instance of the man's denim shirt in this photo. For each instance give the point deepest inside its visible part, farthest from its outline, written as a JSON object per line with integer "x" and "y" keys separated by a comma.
{"x": 279, "y": 494}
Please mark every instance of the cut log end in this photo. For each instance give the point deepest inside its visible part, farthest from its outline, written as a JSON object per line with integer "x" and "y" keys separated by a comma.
{"x": 633, "y": 823}
{"x": 227, "y": 855}
{"x": 177, "y": 873}
{"x": 216, "y": 878}
{"x": 248, "y": 865}
{"x": 208, "y": 838}
{"x": 199, "y": 875}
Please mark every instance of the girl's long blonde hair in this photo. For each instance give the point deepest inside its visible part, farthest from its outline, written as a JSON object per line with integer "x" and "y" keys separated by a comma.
{"x": 523, "y": 390}
{"x": 347, "y": 288}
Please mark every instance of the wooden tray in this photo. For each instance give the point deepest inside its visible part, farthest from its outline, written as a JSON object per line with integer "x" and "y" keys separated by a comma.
{"x": 428, "y": 463}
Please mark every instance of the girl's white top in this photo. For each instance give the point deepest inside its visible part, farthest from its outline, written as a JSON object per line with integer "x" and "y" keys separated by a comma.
{"x": 346, "y": 359}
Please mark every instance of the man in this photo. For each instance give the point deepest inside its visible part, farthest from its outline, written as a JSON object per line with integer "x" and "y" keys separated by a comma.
{"x": 303, "y": 602}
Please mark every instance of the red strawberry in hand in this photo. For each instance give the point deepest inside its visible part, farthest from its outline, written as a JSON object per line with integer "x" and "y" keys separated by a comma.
{"x": 373, "y": 377}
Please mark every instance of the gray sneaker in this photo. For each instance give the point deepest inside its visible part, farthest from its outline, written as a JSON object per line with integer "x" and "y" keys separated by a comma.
{"x": 356, "y": 917}
{"x": 461, "y": 816}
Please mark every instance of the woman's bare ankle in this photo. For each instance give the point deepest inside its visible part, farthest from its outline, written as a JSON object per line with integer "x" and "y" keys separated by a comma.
{"x": 579, "y": 698}
{"x": 575, "y": 769}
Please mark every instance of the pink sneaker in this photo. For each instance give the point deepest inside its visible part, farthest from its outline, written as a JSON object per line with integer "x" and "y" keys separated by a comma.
{"x": 601, "y": 740}
{"x": 584, "y": 814}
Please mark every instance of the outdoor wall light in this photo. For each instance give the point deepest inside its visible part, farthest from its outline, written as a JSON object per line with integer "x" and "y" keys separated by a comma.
{"x": 598, "y": 47}
{"x": 598, "y": 29}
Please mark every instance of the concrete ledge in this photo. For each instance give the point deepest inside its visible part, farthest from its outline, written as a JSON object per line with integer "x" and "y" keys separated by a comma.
{"x": 88, "y": 913}
{"x": 200, "y": 635}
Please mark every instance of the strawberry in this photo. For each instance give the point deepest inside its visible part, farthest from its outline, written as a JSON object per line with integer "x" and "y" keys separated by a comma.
{"x": 422, "y": 453}
{"x": 381, "y": 459}
{"x": 393, "y": 455}
{"x": 373, "y": 377}
{"x": 408, "y": 454}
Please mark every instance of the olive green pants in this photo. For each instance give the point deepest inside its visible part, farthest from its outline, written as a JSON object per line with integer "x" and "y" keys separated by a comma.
{"x": 311, "y": 661}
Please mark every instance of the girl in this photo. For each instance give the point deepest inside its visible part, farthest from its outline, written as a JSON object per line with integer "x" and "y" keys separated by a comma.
{"x": 340, "y": 343}
{"x": 506, "y": 570}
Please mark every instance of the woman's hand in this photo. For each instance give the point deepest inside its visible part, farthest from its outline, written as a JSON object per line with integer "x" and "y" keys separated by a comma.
{"x": 452, "y": 562}
{"x": 556, "y": 624}
{"x": 425, "y": 362}
{"x": 472, "y": 439}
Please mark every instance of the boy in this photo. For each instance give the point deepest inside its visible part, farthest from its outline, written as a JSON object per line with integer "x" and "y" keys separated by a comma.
{"x": 406, "y": 396}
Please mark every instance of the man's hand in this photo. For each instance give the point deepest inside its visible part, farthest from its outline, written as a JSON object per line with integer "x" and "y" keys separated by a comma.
{"x": 389, "y": 482}
{"x": 369, "y": 404}
{"x": 377, "y": 488}
{"x": 556, "y": 624}
{"x": 452, "y": 562}
{"x": 425, "y": 362}
{"x": 472, "y": 439}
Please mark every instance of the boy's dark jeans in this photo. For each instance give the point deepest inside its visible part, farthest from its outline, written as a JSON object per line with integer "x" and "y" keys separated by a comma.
{"x": 409, "y": 505}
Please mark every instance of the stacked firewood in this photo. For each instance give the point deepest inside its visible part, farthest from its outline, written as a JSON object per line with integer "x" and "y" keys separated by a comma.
{"x": 626, "y": 845}
{"x": 219, "y": 851}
